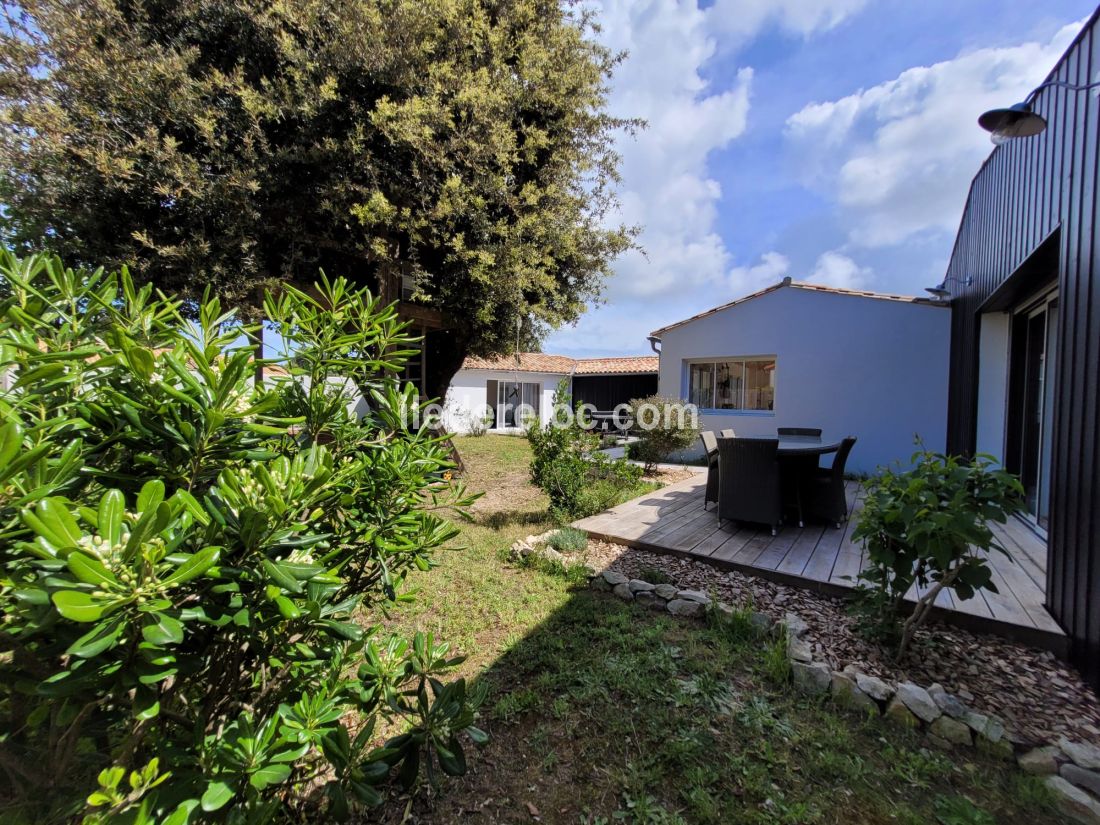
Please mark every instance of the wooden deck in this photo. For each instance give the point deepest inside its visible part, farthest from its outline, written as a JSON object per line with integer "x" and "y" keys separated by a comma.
{"x": 672, "y": 520}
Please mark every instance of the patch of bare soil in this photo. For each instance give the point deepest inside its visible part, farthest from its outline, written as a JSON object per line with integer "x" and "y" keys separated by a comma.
{"x": 666, "y": 475}
{"x": 1039, "y": 697}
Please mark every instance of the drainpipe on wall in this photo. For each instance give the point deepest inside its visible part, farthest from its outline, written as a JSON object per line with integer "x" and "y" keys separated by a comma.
{"x": 653, "y": 342}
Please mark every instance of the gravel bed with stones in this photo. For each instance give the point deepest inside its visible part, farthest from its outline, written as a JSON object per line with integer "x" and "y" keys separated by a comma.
{"x": 1039, "y": 697}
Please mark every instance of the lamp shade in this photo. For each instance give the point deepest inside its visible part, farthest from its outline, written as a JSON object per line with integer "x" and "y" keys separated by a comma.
{"x": 1013, "y": 122}
{"x": 939, "y": 291}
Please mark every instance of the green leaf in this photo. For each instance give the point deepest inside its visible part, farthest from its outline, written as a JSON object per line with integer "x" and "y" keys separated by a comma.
{"x": 216, "y": 796}
{"x": 89, "y": 570}
{"x": 146, "y": 704}
{"x": 287, "y": 608}
{"x": 11, "y": 441}
{"x": 269, "y": 775}
{"x": 95, "y": 641}
{"x": 196, "y": 564}
{"x": 151, "y": 495}
{"x": 109, "y": 519}
{"x": 55, "y": 523}
{"x": 78, "y": 606}
{"x": 281, "y": 576}
{"x": 165, "y": 630}
{"x": 142, "y": 362}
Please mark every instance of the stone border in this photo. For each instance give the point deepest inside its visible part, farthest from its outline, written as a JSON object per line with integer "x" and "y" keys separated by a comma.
{"x": 1071, "y": 769}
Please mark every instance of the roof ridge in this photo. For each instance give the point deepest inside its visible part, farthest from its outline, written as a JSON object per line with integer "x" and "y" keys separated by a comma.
{"x": 790, "y": 282}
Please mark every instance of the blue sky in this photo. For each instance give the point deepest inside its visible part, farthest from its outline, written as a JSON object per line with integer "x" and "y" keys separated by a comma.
{"x": 829, "y": 140}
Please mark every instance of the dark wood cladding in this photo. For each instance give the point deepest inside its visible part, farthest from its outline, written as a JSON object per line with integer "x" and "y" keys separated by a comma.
{"x": 605, "y": 392}
{"x": 1034, "y": 196}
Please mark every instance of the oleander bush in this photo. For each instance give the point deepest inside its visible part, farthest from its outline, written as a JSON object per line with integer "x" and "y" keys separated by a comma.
{"x": 929, "y": 526}
{"x": 568, "y": 465}
{"x": 184, "y": 555}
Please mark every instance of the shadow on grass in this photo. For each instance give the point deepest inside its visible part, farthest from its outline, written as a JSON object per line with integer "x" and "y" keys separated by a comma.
{"x": 511, "y": 518}
{"x": 609, "y": 712}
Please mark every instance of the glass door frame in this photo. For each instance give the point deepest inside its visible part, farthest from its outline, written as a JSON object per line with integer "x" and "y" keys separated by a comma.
{"x": 1046, "y": 304}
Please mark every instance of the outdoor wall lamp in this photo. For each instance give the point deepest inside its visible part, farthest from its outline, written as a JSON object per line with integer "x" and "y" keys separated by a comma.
{"x": 940, "y": 291}
{"x": 1019, "y": 120}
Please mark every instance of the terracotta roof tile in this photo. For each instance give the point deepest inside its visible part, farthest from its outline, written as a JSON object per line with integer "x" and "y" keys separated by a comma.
{"x": 617, "y": 366}
{"x": 564, "y": 365}
{"x": 836, "y": 290}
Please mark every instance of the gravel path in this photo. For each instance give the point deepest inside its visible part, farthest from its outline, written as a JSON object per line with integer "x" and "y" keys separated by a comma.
{"x": 1039, "y": 697}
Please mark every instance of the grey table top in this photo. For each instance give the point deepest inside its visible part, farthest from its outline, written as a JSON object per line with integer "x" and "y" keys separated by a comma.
{"x": 802, "y": 444}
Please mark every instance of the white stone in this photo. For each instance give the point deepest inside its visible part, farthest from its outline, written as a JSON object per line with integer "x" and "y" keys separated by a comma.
{"x": 613, "y": 577}
{"x": 1040, "y": 761}
{"x": 686, "y": 608}
{"x": 623, "y": 591}
{"x": 847, "y": 693}
{"x": 693, "y": 596}
{"x": 666, "y": 591}
{"x": 795, "y": 625}
{"x": 918, "y": 701}
{"x": 874, "y": 687}
{"x": 1081, "y": 754}
{"x": 951, "y": 730}
{"x": 1074, "y": 802}
{"x": 799, "y": 651}
{"x": 947, "y": 702}
{"x": 1089, "y": 780}
{"x": 811, "y": 678}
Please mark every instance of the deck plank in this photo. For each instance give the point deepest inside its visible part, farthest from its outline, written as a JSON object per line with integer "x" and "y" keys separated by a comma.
{"x": 675, "y": 520}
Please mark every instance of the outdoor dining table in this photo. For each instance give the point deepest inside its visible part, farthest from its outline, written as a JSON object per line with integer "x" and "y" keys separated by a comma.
{"x": 801, "y": 445}
{"x": 799, "y": 454}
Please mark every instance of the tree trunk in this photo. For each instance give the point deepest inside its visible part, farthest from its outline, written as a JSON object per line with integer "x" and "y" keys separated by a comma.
{"x": 445, "y": 350}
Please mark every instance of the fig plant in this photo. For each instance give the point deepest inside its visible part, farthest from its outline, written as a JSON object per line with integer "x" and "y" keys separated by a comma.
{"x": 186, "y": 557}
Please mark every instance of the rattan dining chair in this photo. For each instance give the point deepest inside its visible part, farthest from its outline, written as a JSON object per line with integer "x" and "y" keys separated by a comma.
{"x": 825, "y": 497}
{"x": 748, "y": 481}
{"x": 728, "y": 434}
{"x": 814, "y": 431}
{"x": 710, "y": 450}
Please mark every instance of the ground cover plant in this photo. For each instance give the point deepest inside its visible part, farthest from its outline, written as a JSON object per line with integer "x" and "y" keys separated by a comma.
{"x": 930, "y": 526}
{"x": 183, "y": 554}
{"x": 604, "y": 712}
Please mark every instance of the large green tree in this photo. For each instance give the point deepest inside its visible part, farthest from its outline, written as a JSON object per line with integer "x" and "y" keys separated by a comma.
{"x": 243, "y": 143}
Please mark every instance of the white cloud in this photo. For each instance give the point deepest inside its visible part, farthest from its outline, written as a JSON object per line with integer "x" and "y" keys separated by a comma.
{"x": 898, "y": 157}
{"x": 666, "y": 188}
{"x": 745, "y": 279}
{"x": 740, "y": 20}
{"x": 834, "y": 268}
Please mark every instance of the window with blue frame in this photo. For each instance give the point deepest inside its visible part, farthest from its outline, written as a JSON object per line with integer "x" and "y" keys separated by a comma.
{"x": 732, "y": 384}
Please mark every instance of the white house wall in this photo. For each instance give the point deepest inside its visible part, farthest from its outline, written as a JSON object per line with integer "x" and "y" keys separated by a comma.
{"x": 868, "y": 367}
{"x": 467, "y": 394}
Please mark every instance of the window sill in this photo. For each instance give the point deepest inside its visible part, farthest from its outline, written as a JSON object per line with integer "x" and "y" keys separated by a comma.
{"x": 744, "y": 413}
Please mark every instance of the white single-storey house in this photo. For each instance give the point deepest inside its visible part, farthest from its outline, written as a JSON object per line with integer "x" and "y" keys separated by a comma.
{"x": 494, "y": 390}
{"x": 799, "y": 355}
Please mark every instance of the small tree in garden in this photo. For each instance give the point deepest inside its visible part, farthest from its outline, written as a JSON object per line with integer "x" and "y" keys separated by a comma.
{"x": 664, "y": 426}
{"x": 184, "y": 556}
{"x": 929, "y": 526}
{"x": 568, "y": 465}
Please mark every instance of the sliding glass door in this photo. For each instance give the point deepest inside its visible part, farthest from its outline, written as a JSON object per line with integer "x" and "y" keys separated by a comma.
{"x": 1034, "y": 401}
{"x": 516, "y": 400}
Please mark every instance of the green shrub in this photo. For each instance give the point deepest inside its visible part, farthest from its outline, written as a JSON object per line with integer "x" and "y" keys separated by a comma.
{"x": 929, "y": 526}
{"x": 569, "y": 540}
{"x": 567, "y": 464}
{"x": 184, "y": 555}
{"x": 664, "y": 426}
